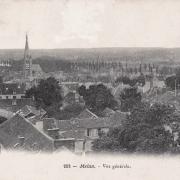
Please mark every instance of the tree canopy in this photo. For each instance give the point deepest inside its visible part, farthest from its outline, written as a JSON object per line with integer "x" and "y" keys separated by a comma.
{"x": 47, "y": 94}
{"x": 97, "y": 97}
{"x": 143, "y": 131}
{"x": 174, "y": 80}
{"x": 132, "y": 82}
{"x": 129, "y": 97}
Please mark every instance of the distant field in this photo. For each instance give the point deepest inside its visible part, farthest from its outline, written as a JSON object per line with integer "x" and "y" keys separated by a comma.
{"x": 103, "y": 54}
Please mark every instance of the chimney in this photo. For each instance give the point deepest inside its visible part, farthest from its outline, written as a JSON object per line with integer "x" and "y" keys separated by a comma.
{"x": 21, "y": 140}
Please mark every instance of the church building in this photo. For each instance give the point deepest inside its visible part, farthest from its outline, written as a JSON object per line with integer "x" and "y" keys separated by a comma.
{"x": 32, "y": 73}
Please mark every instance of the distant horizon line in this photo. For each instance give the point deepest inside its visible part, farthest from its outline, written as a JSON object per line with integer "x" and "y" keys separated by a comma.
{"x": 103, "y": 47}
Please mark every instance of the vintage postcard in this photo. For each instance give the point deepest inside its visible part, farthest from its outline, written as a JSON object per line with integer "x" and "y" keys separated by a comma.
{"x": 89, "y": 89}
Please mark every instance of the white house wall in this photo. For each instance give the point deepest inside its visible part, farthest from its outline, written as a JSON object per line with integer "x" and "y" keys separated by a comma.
{"x": 10, "y": 96}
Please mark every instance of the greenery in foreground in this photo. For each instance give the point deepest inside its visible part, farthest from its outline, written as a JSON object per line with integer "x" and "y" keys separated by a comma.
{"x": 143, "y": 132}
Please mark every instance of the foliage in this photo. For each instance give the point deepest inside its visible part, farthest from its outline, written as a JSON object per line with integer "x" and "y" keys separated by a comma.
{"x": 132, "y": 82}
{"x": 47, "y": 63}
{"x": 47, "y": 94}
{"x": 70, "y": 97}
{"x": 173, "y": 81}
{"x": 97, "y": 97}
{"x": 70, "y": 111}
{"x": 165, "y": 70}
{"x": 155, "y": 114}
{"x": 143, "y": 132}
{"x": 129, "y": 97}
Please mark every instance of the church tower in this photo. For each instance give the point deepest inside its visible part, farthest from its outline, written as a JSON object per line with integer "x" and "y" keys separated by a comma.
{"x": 27, "y": 69}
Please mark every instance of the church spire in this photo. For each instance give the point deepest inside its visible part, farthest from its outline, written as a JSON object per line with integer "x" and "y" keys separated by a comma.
{"x": 27, "y": 44}
{"x": 26, "y": 51}
{"x": 27, "y": 60}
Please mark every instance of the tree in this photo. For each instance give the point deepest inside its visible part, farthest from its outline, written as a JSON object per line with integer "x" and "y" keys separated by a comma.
{"x": 82, "y": 90}
{"x": 155, "y": 114}
{"x": 123, "y": 79}
{"x": 46, "y": 94}
{"x": 97, "y": 97}
{"x": 141, "y": 80}
{"x": 129, "y": 97}
{"x": 173, "y": 81}
{"x": 164, "y": 70}
{"x": 143, "y": 132}
{"x": 132, "y": 82}
{"x": 68, "y": 112}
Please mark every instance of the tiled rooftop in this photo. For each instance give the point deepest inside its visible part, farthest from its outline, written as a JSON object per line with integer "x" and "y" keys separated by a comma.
{"x": 115, "y": 120}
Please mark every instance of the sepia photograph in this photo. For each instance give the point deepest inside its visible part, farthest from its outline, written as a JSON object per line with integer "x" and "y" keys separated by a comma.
{"x": 89, "y": 89}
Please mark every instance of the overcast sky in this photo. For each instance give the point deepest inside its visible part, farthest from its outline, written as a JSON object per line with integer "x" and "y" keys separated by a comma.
{"x": 89, "y": 23}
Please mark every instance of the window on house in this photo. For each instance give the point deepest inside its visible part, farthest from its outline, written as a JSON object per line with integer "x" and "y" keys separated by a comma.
{"x": 7, "y": 97}
{"x": 14, "y": 97}
{"x": 92, "y": 132}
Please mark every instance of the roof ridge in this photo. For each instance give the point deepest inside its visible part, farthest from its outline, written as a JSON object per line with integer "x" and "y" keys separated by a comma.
{"x": 26, "y": 120}
{"x": 91, "y": 113}
{"x": 35, "y": 127}
{"x": 50, "y": 118}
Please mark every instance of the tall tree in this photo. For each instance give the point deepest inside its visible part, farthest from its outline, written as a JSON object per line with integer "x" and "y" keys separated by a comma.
{"x": 97, "y": 97}
{"x": 47, "y": 93}
{"x": 129, "y": 97}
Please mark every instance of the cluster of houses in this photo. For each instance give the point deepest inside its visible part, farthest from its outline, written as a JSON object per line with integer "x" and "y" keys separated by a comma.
{"x": 12, "y": 96}
{"x": 30, "y": 129}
